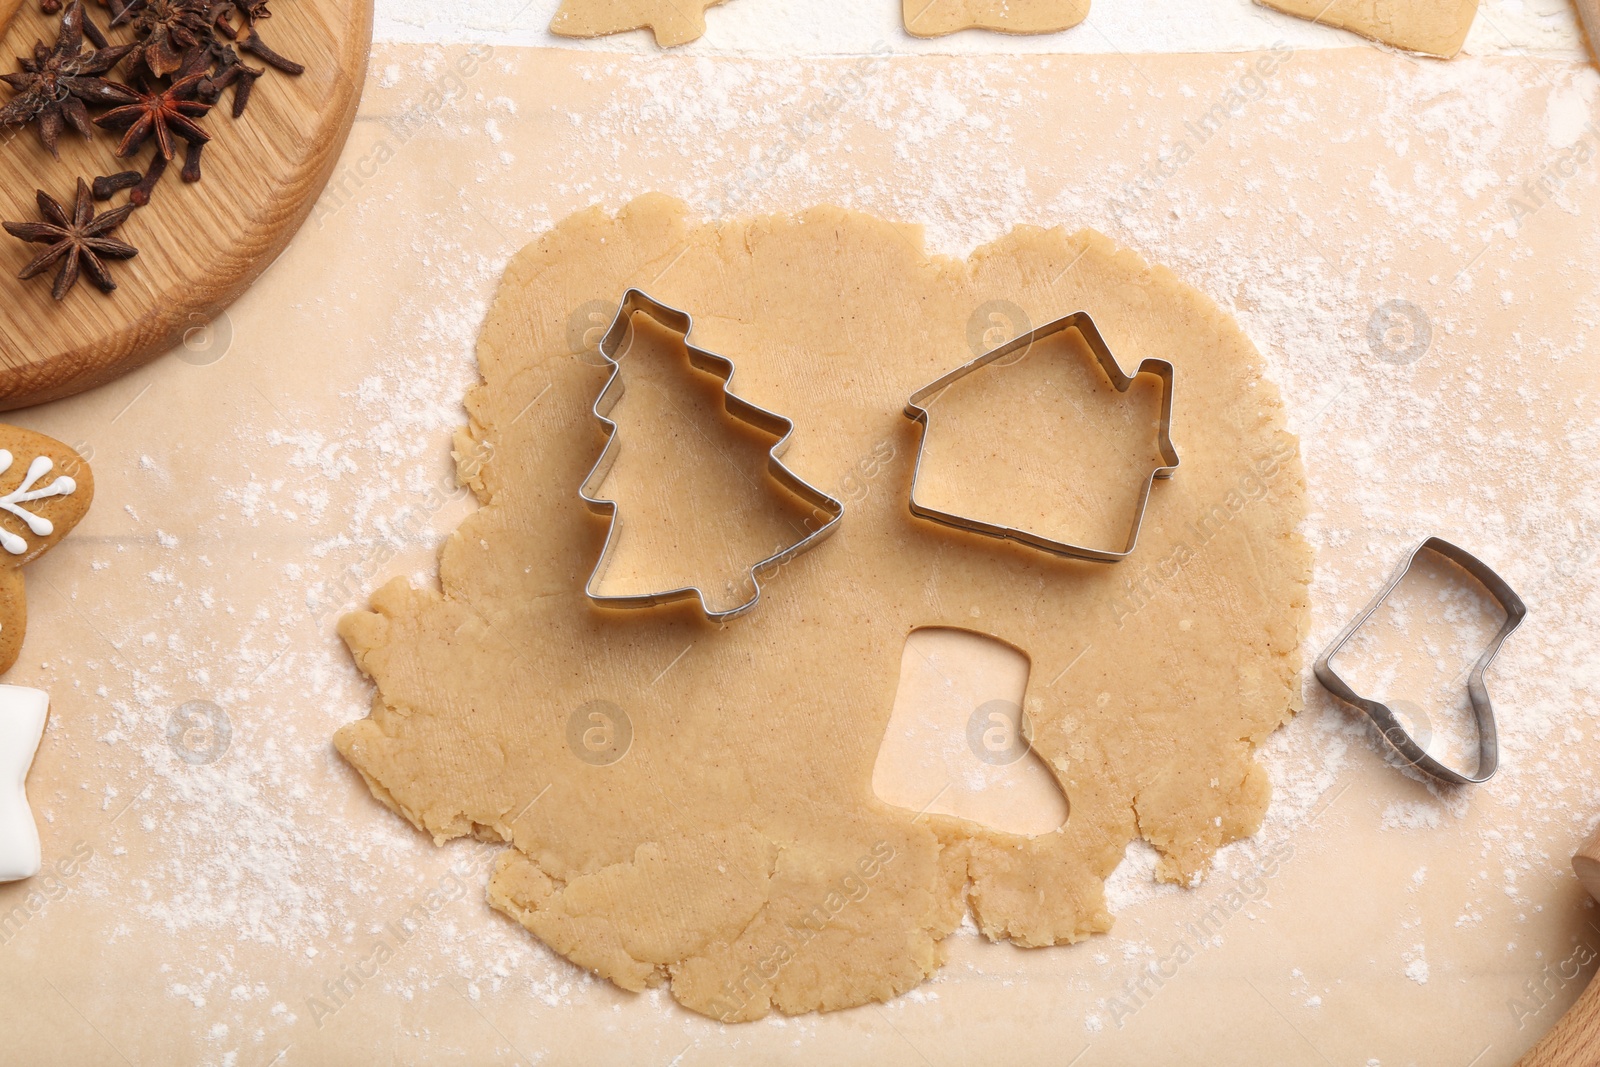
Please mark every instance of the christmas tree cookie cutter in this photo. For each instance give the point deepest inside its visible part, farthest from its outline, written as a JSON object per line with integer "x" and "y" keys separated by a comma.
{"x": 917, "y": 411}
{"x": 825, "y": 507}
{"x": 1477, "y": 690}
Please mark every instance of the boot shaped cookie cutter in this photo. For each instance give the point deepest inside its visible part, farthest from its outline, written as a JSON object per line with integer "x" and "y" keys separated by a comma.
{"x": 917, "y": 411}
{"x": 615, "y": 341}
{"x": 1477, "y": 690}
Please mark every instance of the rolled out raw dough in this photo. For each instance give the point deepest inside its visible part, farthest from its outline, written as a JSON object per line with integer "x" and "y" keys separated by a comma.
{"x": 1432, "y": 27}
{"x": 736, "y": 848}
{"x": 935, "y": 18}
{"x": 672, "y": 21}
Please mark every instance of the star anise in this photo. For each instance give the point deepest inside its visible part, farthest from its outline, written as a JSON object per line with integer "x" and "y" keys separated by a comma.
{"x": 160, "y": 112}
{"x": 166, "y": 29}
{"x": 58, "y": 81}
{"x": 77, "y": 242}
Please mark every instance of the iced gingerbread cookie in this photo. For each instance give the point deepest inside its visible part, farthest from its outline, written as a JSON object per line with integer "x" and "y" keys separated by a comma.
{"x": 22, "y": 714}
{"x": 45, "y": 488}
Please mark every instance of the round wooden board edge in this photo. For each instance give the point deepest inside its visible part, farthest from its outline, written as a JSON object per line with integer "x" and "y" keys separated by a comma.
{"x": 155, "y": 333}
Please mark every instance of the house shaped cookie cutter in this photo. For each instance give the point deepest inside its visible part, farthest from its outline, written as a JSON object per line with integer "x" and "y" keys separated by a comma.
{"x": 825, "y": 507}
{"x": 1477, "y": 690}
{"x": 917, "y": 411}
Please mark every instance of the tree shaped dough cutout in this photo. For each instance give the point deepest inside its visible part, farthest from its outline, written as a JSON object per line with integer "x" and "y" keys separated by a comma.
{"x": 734, "y": 849}
{"x": 673, "y": 22}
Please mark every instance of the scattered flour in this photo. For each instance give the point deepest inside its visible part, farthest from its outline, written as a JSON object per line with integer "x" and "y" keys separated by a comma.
{"x": 1417, "y": 965}
{"x": 1411, "y": 815}
{"x": 275, "y": 848}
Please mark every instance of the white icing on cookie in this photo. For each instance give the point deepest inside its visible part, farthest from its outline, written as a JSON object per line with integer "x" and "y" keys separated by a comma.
{"x": 24, "y": 493}
{"x": 22, "y": 714}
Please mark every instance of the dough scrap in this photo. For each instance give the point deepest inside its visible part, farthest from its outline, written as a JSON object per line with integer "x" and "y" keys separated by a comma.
{"x": 736, "y": 849}
{"x": 673, "y": 22}
{"x": 1432, "y": 27}
{"x": 935, "y": 18}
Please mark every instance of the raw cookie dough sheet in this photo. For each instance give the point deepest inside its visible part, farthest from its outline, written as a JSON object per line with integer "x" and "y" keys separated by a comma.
{"x": 239, "y": 886}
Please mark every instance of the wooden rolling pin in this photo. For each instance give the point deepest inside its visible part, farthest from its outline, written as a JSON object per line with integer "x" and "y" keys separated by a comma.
{"x": 1575, "y": 1041}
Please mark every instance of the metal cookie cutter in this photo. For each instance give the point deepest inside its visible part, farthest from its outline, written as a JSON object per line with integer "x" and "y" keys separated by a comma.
{"x": 1477, "y": 690}
{"x": 680, "y": 322}
{"x": 917, "y": 411}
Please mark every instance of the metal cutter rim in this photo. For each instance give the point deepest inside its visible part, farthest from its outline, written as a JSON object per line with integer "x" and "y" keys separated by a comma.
{"x": 1477, "y": 688}
{"x": 635, "y": 300}
{"x": 917, "y": 411}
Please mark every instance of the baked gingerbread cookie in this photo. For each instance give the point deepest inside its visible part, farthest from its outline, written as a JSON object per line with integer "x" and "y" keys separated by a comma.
{"x": 45, "y": 488}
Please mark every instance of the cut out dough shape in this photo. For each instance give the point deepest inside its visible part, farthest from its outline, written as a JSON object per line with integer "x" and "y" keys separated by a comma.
{"x": 957, "y": 742}
{"x": 676, "y": 22}
{"x": 1432, "y": 27}
{"x": 672, "y": 21}
{"x": 737, "y": 851}
{"x": 22, "y": 715}
{"x": 935, "y": 18}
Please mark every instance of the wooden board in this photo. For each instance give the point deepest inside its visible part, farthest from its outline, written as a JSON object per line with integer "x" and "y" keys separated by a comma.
{"x": 199, "y": 245}
{"x": 7, "y": 9}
